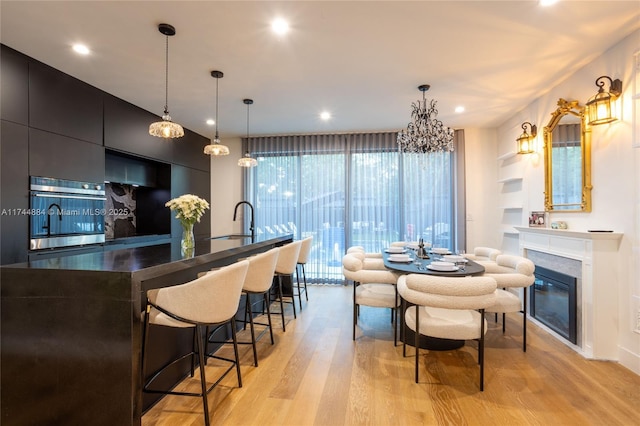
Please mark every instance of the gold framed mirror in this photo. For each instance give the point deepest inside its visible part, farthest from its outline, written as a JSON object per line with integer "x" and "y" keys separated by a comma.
{"x": 567, "y": 159}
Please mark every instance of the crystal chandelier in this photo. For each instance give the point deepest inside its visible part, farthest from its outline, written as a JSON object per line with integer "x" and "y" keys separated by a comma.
{"x": 247, "y": 160}
{"x": 425, "y": 133}
{"x": 166, "y": 128}
{"x": 216, "y": 148}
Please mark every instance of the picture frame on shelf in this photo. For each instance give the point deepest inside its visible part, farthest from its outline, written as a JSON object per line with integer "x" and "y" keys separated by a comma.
{"x": 537, "y": 219}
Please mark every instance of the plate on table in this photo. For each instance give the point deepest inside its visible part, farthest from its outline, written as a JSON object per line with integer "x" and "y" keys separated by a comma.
{"x": 399, "y": 258}
{"x": 395, "y": 250}
{"x": 412, "y": 246}
{"x": 438, "y": 250}
{"x": 442, "y": 266}
{"x": 454, "y": 258}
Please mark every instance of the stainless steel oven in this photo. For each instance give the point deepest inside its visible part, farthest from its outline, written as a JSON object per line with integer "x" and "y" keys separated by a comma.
{"x": 65, "y": 213}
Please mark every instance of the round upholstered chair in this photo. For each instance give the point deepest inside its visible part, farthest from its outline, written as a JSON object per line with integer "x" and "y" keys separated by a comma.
{"x": 512, "y": 273}
{"x": 483, "y": 255}
{"x": 447, "y": 308}
{"x": 375, "y": 288}
{"x": 209, "y": 301}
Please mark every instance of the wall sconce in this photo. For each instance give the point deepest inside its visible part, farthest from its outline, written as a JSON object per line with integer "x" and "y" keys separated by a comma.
{"x": 599, "y": 106}
{"x": 525, "y": 140}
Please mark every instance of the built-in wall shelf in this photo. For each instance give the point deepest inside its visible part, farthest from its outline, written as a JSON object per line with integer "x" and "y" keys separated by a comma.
{"x": 509, "y": 179}
{"x": 509, "y": 230}
{"x": 507, "y": 156}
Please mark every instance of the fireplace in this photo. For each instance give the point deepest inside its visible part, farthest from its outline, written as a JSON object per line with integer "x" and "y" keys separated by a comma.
{"x": 554, "y": 301}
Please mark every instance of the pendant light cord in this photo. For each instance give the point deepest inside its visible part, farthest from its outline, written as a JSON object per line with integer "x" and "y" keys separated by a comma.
{"x": 217, "y": 79}
{"x": 166, "y": 76}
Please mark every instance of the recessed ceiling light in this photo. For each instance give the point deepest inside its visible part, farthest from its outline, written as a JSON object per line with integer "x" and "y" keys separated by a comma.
{"x": 81, "y": 49}
{"x": 211, "y": 122}
{"x": 547, "y": 2}
{"x": 459, "y": 108}
{"x": 279, "y": 26}
{"x": 325, "y": 115}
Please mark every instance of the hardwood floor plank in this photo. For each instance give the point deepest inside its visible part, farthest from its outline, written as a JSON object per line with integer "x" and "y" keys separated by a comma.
{"x": 315, "y": 374}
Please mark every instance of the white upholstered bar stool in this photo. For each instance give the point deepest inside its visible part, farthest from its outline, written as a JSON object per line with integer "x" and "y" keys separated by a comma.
{"x": 447, "y": 308}
{"x": 258, "y": 281}
{"x": 285, "y": 267}
{"x": 374, "y": 288}
{"x": 303, "y": 258}
{"x": 511, "y": 273}
{"x": 210, "y": 300}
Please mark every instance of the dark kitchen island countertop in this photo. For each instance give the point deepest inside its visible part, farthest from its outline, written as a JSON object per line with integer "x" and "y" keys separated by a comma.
{"x": 72, "y": 328}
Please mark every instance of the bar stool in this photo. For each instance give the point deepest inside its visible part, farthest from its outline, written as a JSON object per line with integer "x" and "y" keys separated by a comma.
{"x": 286, "y": 265}
{"x": 258, "y": 281}
{"x": 210, "y": 300}
{"x": 303, "y": 257}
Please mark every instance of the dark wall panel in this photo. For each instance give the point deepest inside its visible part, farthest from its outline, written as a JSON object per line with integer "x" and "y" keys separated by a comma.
{"x": 126, "y": 129}
{"x": 14, "y": 86}
{"x": 190, "y": 181}
{"x": 56, "y": 156}
{"x": 64, "y": 105}
{"x": 188, "y": 151}
{"x": 14, "y": 197}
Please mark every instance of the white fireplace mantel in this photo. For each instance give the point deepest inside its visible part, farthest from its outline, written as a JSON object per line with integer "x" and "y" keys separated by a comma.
{"x": 598, "y": 252}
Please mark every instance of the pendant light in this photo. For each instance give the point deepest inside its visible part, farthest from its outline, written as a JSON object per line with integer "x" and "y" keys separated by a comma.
{"x": 166, "y": 128}
{"x": 216, "y": 149}
{"x": 247, "y": 160}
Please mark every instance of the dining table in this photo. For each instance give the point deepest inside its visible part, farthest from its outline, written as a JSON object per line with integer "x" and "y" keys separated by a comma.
{"x": 414, "y": 264}
{"x": 417, "y": 265}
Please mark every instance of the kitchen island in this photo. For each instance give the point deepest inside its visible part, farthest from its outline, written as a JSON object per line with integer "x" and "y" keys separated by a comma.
{"x": 72, "y": 328}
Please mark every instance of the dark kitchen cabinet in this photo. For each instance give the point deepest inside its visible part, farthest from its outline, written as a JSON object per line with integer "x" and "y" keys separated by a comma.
{"x": 126, "y": 129}
{"x": 189, "y": 151}
{"x": 56, "y": 156}
{"x": 185, "y": 180}
{"x": 14, "y": 197}
{"x": 64, "y": 105}
{"x": 14, "y": 86}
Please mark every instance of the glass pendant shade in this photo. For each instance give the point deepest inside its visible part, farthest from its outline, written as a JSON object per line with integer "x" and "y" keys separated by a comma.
{"x": 166, "y": 128}
{"x": 216, "y": 149}
{"x": 247, "y": 160}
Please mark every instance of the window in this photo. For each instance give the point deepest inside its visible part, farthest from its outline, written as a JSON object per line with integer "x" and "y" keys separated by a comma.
{"x": 349, "y": 190}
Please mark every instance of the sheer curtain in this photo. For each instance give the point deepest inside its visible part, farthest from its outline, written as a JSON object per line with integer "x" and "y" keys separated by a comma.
{"x": 352, "y": 189}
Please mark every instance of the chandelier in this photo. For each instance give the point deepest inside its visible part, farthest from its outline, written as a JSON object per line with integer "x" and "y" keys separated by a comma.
{"x": 425, "y": 133}
{"x": 216, "y": 149}
{"x": 166, "y": 128}
{"x": 247, "y": 160}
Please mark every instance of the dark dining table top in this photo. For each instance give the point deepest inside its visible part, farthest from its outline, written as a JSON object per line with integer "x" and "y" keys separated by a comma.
{"x": 420, "y": 267}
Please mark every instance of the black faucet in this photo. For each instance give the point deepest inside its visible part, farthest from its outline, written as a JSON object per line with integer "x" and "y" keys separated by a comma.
{"x": 252, "y": 224}
{"x": 48, "y": 225}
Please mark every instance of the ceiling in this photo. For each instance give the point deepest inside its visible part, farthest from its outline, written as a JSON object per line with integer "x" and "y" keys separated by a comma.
{"x": 360, "y": 60}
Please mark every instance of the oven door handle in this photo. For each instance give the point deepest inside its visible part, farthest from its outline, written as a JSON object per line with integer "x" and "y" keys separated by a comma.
{"x": 75, "y": 197}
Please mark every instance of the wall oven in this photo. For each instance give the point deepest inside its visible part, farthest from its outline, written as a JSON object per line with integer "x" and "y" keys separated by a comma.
{"x": 65, "y": 213}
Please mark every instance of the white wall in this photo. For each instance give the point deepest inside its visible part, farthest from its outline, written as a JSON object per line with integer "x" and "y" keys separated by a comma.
{"x": 226, "y": 189}
{"x": 481, "y": 180}
{"x": 615, "y": 177}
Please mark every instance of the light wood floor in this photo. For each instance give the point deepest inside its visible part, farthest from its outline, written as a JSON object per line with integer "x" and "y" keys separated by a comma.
{"x": 316, "y": 375}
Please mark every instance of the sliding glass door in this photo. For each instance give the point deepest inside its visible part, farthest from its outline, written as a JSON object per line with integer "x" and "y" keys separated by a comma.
{"x": 349, "y": 190}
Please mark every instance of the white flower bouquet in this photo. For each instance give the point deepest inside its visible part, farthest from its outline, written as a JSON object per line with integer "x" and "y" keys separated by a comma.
{"x": 189, "y": 208}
